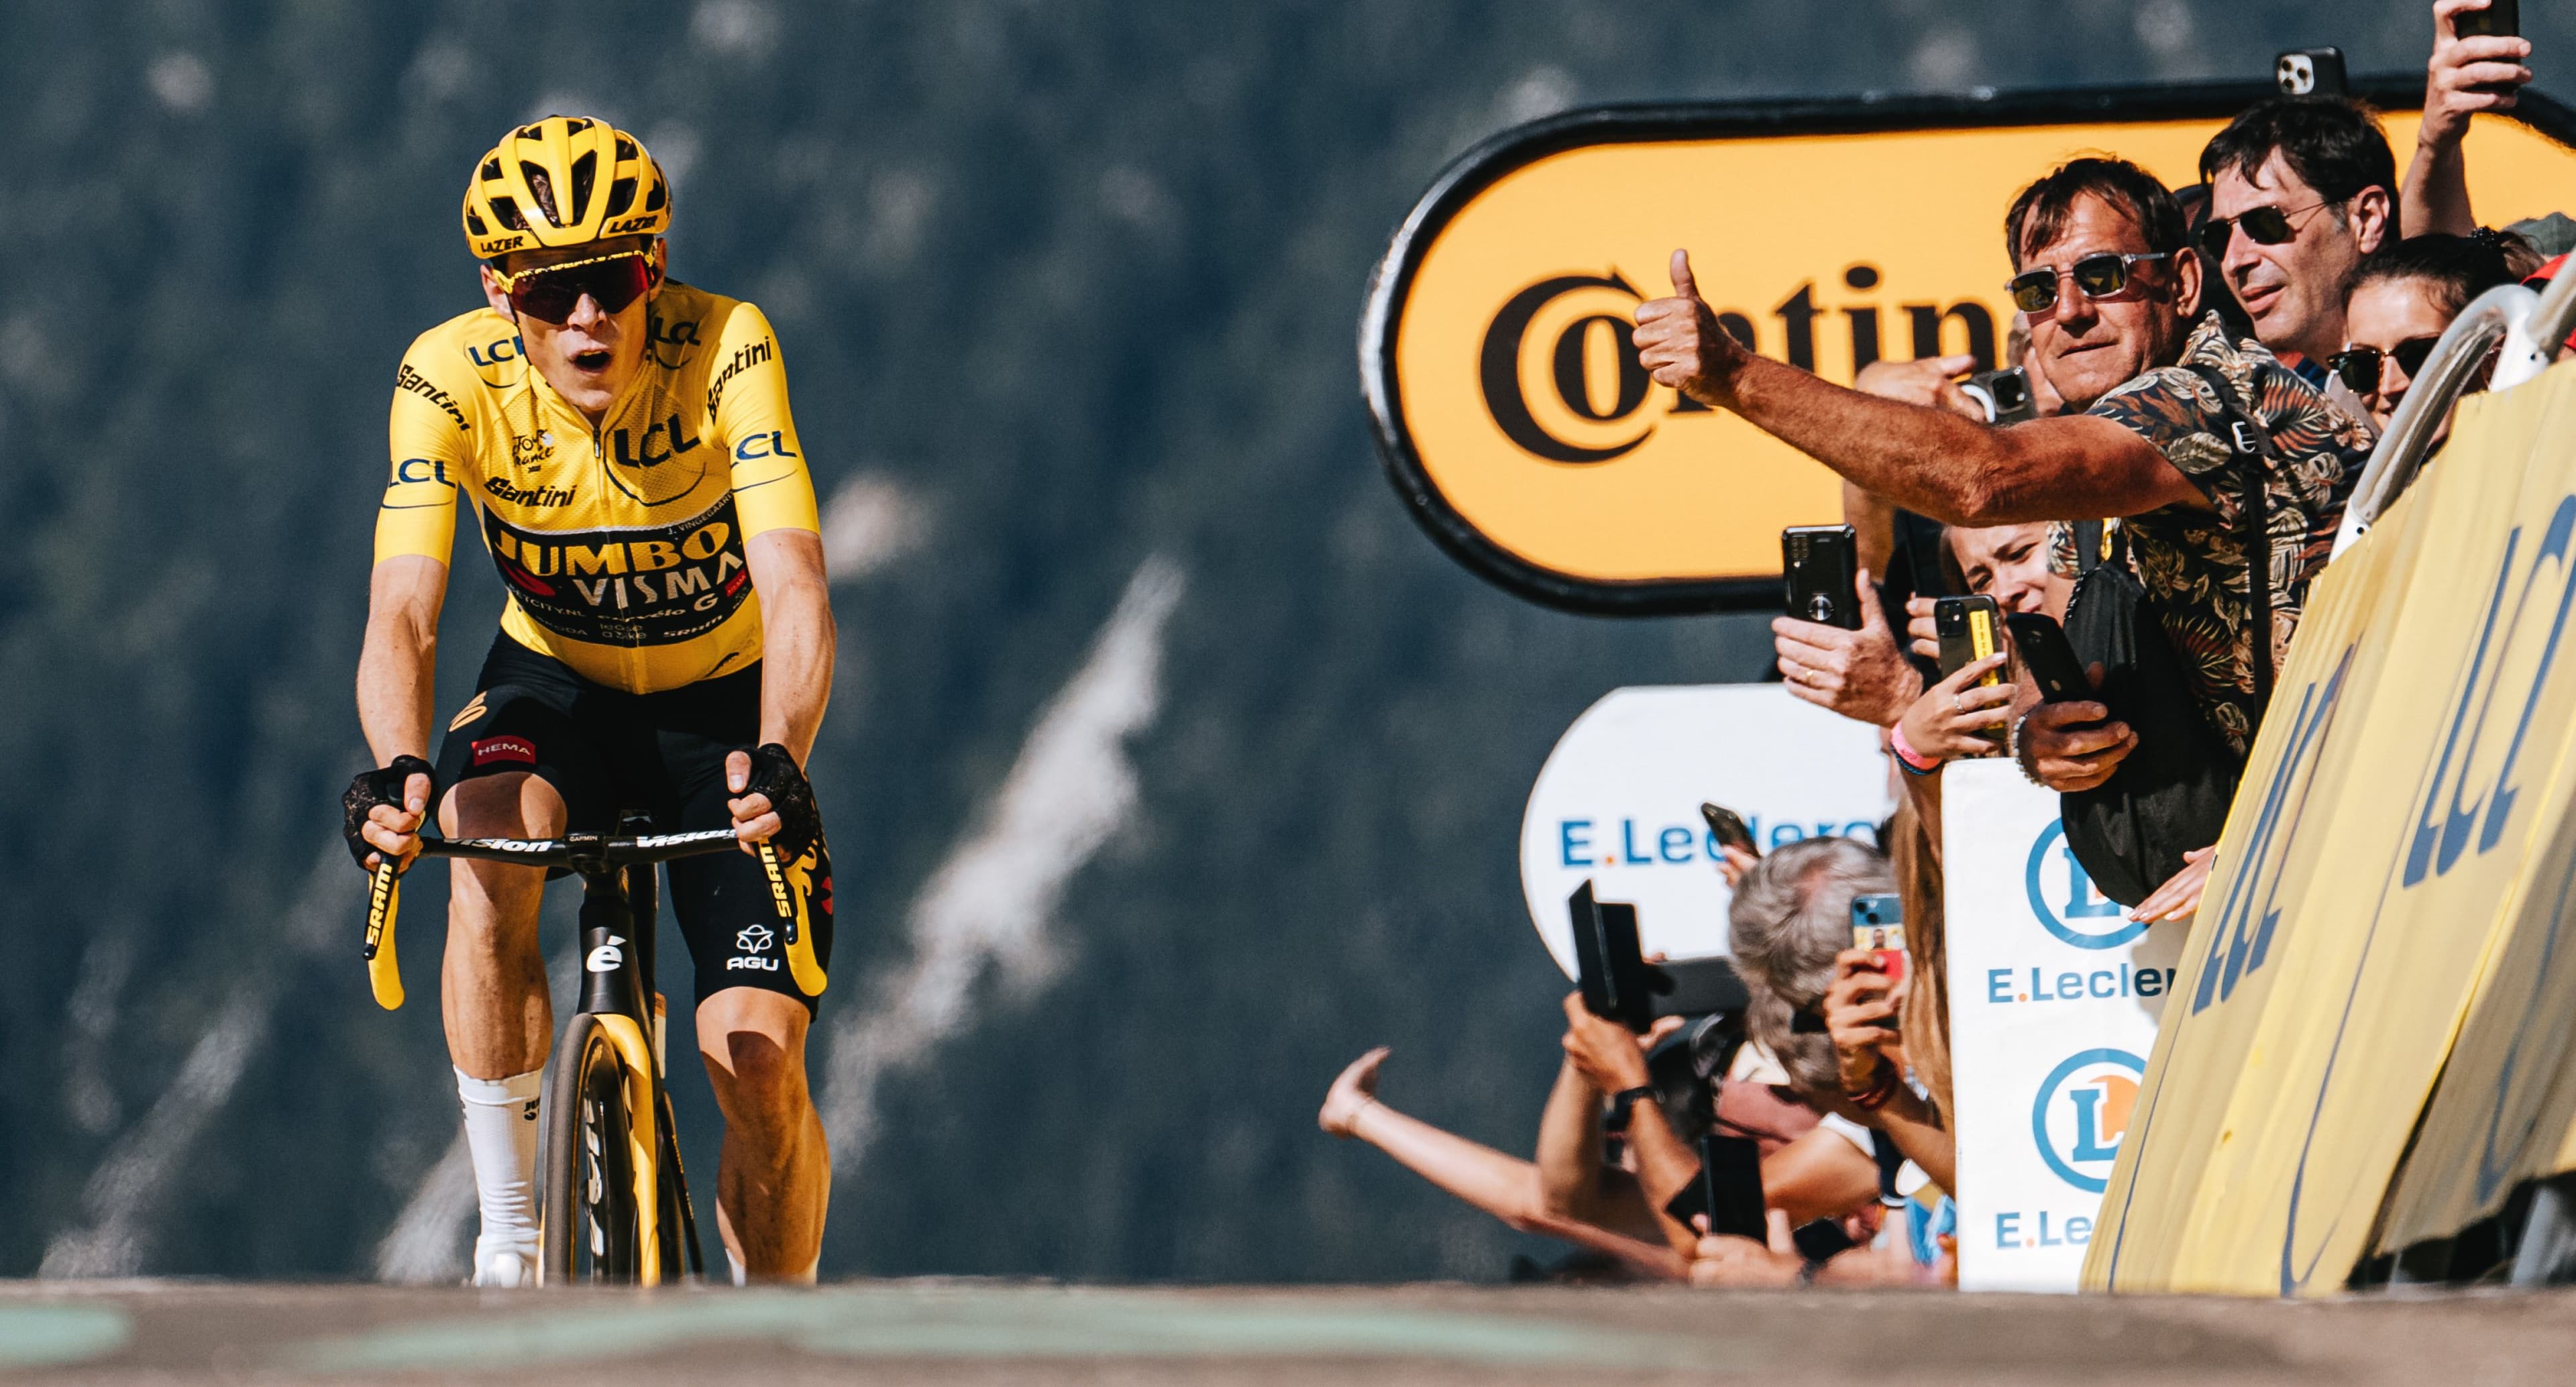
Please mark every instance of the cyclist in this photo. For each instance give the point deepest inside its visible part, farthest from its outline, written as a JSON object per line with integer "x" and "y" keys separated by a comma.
{"x": 625, "y": 443}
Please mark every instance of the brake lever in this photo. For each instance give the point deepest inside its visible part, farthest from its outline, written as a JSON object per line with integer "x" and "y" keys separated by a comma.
{"x": 384, "y": 898}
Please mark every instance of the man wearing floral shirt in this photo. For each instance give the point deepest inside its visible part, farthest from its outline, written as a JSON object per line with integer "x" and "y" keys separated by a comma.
{"x": 2105, "y": 274}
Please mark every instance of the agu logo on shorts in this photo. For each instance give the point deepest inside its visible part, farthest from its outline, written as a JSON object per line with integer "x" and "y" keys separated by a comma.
{"x": 518, "y": 750}
{"x": 2063, "y": 898}
{"x": 2083, "y": 1110}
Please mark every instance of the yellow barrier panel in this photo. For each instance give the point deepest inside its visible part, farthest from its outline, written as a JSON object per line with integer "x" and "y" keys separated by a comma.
{"x": 2410, "y": 780}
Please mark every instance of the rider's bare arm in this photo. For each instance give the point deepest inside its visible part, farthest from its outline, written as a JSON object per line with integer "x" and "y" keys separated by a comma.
{"x": 796, "y": 636}
{"x": 396, "y": 683}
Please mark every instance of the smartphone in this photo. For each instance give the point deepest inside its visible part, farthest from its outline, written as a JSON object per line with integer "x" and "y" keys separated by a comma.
{"x": 2005, "y": 394}
{"x": 2315, "y": 71}
{"x": 1728, "y": 828}
{"x": 1618, "y": 984}
{"x": 1822, "y": 565}
{"x": 1970, "y": 629}
{"x": 1878, "y": 925}
{"x": 2044, "y": 651}
{"x": 1728, "y": 1189}
{"x": 2500, "y": 19}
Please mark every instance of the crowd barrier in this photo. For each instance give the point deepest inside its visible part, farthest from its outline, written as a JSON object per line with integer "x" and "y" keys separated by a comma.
{"x": 2372, "y": 1042}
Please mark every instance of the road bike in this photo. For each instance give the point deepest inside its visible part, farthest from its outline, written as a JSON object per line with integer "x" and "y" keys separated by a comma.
{"x": 613, "y": 1200}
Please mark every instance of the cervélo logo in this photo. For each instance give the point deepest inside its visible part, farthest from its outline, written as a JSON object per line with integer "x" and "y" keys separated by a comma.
{"x": 2083, "y": 1111}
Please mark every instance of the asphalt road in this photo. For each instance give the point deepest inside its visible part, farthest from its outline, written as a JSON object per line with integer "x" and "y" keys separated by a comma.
{"x": 1032, "y": 1335}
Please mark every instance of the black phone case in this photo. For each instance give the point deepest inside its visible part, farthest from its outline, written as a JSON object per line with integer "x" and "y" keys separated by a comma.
{"x": 1822, "y": 568}
{"x": 2500, "y": 19}
{"x": 1729, "y": 827}
{"x": 2051, "y": 661}
{"x": 1950, "y": 618}
{"x": 1728, "y": 1189}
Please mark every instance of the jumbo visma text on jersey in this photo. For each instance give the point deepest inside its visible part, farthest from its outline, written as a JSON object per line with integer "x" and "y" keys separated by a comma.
{"x": 622, "y": 543}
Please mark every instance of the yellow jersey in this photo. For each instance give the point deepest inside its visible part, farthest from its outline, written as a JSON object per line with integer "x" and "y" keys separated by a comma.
{"x": 620, "y": 544}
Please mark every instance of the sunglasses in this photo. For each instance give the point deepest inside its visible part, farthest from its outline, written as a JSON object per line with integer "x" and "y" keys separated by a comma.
{"x": 2264, "y": 226}
{"x": 2103, "y": 276}
{"x": 2359, "y": 367}
{"x": 550, "y": 293}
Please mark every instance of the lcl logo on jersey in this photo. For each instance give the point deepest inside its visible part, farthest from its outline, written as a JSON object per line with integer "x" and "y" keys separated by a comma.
{"x": 671, "y": 343}
{"x": 2083, "y": 1111}
{"x": 1588, "y": 375}
{"x": 500, "y": 362}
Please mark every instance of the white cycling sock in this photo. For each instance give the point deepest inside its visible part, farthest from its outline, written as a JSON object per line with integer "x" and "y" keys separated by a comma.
{"x": 501, "y": 1133}
{"x": 740, "y": 1278}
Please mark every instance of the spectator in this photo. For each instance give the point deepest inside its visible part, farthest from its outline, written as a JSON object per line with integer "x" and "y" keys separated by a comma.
{"x": 2301, "y": 188}
{"x": 2105, "y": 276}
{"x": 2465, "y": 76}
{"x": 1790, "y": 920}
{"x": 2404, "y": 299}
{"x": 1569, "y": 1191}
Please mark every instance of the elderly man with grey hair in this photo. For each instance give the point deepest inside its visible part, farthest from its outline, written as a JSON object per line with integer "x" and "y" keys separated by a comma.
{"x": 1834, "y": 1038}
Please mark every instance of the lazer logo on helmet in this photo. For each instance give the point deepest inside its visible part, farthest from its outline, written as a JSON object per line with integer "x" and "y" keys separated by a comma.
{"x": 630, "y": 225}
{"x": 649, "y": 585}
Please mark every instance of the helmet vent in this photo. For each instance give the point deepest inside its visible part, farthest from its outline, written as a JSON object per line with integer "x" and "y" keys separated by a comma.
{"x": 492, "y": 169}
{"x": 506, "y": 211}
{"x": 543, "y": 188}
{"x": 654, "y": 198}
{"x": 625, "y": 149}
{"x": 585, "y": 175}
{"x": 474, "y": 224}
{"x": 621, "y": 196}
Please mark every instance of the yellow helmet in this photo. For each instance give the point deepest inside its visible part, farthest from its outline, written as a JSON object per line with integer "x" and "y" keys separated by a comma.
{"x": 564, "y": 181}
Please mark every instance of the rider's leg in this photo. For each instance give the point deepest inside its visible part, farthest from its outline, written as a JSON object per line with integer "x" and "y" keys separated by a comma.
{"x": 775, "y": 1177}
{"x": 499, "y": 1019}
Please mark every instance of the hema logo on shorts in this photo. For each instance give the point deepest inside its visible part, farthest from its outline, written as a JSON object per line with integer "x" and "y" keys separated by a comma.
{"x": 2082, "y": 1111}
{"x": 512, "y": 749}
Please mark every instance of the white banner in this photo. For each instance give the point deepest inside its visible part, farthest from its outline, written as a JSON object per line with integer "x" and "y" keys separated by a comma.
{"x": 2054, "y": 999}
{"x": 1618, "y": 802}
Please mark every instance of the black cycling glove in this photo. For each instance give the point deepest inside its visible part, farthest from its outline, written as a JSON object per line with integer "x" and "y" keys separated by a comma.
{"x": 791, "y": 797}
{"x": 372, "y": 788}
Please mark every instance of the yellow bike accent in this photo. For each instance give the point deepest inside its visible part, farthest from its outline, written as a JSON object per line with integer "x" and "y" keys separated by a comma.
{"x": 643, "y": 1146}
{"x": 384, "y": 898}
{"x": 787, "y": 890}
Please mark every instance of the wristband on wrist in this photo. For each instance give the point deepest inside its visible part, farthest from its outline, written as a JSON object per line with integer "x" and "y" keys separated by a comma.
{"x": 1914, "y": 762}
{"x": 2013, "y": 747}
{"x": 1879, "y": 1091}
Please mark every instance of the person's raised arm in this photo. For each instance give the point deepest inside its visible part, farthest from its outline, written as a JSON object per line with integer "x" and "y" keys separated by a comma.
{"x": 1613, "y": 1060}
{"x": 1928, "y": 459}
{"x": 2465, "y": 76}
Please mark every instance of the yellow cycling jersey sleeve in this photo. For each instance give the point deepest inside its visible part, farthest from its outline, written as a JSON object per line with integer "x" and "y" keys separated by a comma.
{"x": 747, "y": 397}
{"x": 429, "y": 437}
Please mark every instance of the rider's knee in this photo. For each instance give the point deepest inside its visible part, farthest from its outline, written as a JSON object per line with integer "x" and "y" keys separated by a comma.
{"x": 754, "y": 1043}
{"x": 513, "y": 804}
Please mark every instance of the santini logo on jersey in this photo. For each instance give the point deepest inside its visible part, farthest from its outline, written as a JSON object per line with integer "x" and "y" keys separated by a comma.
{"x": 535, "y": 496}
{"x": 649, "y": 585}
{"x": 418, "y": 384}
{"x": 744, "y": 358}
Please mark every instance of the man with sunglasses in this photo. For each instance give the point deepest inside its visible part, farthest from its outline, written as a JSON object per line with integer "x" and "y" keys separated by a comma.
{"x": 2104, "y": 275}
{"x": 626, "y": 446}
{"x": 2302, "y": 189}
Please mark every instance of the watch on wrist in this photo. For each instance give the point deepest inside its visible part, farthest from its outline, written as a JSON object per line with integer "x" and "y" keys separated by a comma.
{"x": 1623, "y": 1105}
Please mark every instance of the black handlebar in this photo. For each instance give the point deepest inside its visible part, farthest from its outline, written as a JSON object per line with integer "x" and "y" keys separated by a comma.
{"x": 585, "y": 852}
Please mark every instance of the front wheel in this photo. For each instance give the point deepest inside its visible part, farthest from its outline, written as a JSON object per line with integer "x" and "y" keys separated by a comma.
{"x": 593, "y": 1229}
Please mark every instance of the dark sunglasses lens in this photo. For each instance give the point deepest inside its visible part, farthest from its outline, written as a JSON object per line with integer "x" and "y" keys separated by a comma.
{"x": 552, "y": 296}
{"x": 2035, "y": 292}
{"x": 2213, "y": 238}
{"x": 2358, "y": 369}
{"x": 2411, "y": 355}
{"x": 2266, "y": 225}
{"x": 2101, "y": 276}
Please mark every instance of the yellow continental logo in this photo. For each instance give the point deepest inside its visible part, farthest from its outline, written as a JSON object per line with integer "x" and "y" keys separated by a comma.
{"x": 1511, "y": 408}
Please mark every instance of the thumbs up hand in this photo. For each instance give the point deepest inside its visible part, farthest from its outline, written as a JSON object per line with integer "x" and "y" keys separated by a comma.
{"x": 1680, "y": 342}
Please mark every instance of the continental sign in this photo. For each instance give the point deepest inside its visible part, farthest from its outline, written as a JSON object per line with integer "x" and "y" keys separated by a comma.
{"x": 1511, "y": 410}
{"x": 2373, "y": 1038}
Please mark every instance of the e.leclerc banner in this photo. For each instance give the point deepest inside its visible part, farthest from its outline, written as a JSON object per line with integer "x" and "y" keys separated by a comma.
{"x": 2390, "y": 898}
{"x": 1618, "y": 804}
{"x": 2054, "y": 1000}
{"x": 1495, "y": 350}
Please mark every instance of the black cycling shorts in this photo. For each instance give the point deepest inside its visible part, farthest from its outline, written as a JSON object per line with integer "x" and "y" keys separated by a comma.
{"x": 610, "y": 753}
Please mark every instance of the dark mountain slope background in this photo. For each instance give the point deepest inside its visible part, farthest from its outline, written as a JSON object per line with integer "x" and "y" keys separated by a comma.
{"x": 1067, "y": 294}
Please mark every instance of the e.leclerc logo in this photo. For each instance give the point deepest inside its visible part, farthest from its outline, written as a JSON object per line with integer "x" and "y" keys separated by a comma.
{"x": 2083, "y": 1110}
{"x": 2063, "y": 898}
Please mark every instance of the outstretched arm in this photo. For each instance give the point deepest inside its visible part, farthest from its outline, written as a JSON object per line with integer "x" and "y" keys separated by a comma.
{"x": 1929, "y": 460}
{"x": 2465, "y": 76}
{"x": 1501, "y": 1185}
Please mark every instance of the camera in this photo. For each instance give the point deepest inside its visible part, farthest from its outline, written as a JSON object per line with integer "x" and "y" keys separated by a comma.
{"x": 1618, "y": 984}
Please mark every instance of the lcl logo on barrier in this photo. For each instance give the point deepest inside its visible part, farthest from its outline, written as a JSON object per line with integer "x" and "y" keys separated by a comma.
{"x": 2083, "y": 1111}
